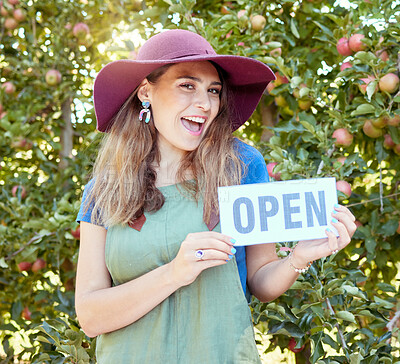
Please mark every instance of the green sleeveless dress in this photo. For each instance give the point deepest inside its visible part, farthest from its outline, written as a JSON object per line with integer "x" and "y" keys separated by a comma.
{"x": 206, "y": 322}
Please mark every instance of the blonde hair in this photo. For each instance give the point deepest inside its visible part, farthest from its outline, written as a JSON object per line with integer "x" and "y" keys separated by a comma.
{"x": 124, "y": 174}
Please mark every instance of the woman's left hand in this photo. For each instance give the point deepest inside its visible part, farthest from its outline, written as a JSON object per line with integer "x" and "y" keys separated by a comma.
{"x": 307, "y": 251}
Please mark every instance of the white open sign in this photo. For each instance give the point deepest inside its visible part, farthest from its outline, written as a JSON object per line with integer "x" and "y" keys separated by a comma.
{"x": 277, "y": 211}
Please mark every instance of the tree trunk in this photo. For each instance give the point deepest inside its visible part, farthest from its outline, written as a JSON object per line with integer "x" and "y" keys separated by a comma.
{"x": 269, "y": 117}
{"x": 66, "y": 134}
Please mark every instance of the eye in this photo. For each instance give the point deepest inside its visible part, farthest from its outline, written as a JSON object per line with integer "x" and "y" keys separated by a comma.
{"x": 215, "y": 91}
{"x": 188, "y": 86}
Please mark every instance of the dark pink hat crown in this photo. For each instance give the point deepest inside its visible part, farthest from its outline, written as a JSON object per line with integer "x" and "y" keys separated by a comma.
{"x": 247, "y": 78}
{"x": 174, "y": 44}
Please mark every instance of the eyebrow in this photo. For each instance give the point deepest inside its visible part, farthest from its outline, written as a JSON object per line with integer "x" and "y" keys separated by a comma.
{"x": 199, "y": 80}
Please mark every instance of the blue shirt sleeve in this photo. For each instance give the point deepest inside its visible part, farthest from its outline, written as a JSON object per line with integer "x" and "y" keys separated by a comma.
{"x": 255, "y": 172}
{"x": 85, "y": 211}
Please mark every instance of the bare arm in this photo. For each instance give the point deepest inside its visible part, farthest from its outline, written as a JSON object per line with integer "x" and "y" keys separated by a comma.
{"x": 268, "y": 276}
{"x": 102, "y": 308}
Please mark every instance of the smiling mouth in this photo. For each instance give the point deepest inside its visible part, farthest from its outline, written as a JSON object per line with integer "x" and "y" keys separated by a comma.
{"x": 194, "y": 125}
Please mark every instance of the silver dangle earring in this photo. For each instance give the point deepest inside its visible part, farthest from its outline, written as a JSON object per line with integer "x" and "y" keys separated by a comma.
{"x": 146, "y": 105}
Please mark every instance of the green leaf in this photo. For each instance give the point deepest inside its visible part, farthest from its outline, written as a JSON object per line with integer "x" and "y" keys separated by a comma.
{"x": 346, "y": 316}
{"x": 293, "y": 28}
{"x": 389, "y": 228}
{"x": 317, "y": 348}
{"x": 396, "y": 99}
{"x": 325, "y": 29}
{"x": 3, "y": 263}
{"x": 355, "y": 358}
{"x": 286, "y": 328}
{"x": 365, "y": 57}
{"x": 370, "y": 244}
{"x": 308, "y": 126}
{"x": 371, "y": 89}
{"x": 363, "y": 109}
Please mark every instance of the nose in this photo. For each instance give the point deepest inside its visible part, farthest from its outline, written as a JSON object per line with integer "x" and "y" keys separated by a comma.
{"x": 203, "y": 100}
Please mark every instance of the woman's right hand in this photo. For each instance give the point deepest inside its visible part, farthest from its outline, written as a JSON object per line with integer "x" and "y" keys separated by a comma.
{"x": 218, "y": 249}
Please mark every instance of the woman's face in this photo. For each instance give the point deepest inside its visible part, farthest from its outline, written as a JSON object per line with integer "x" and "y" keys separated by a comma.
{"x": 184, "y": 102}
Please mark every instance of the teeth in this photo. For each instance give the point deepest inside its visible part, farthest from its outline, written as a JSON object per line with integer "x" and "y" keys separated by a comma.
{"x": 196, "y": 119}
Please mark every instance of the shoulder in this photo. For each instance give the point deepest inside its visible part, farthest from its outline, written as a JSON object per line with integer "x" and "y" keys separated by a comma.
{"x": 255, "y": 170}
{"x": 246, "y": 152}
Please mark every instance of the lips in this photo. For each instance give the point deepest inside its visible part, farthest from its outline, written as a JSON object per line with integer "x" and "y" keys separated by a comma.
{"x": 193, "y": 124}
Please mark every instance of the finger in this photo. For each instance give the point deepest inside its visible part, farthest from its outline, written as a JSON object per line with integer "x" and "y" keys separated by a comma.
{"x": 211, "y": 254}
{"x": 345, "y": 210}
{"x": 344, "y": 236}
{"x": 333, "y": 245}
{"x": 211, "y": 235}
{"x": 346, "y": 220}
{"x": 213, "y": 244}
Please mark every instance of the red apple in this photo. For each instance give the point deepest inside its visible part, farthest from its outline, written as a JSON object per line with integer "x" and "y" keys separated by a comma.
{"x": 13, "y": 2}
{"x": 26, "y": 314}
{"x": 3, "y": 10}
{"x": 19, "y": 15}
{"x": 53, "y": 77}
{"x": 280, "y": 79}
{"x": 356, "y": 44}
{"x": 38, "y": 265}
{"x": 24, "y": 266}
{"x": 296, "y": 91}
{"x": 271, "y": 86}
{"x": 76, "y": 233}
{"x": 343, "y": 137}
{"x": 343, "y": 47}
{"x": 389, "y": 83}
{"x": 80, "y": 30}
{"x": 270, "y": 169}
{"x": 9, "y": 87}
{"x": 388, "y": 143}
{"x": 380, "y": 122}
{"x": 394, "y": 121}
{"x": 258, "y": 22}
{"x": 305, "y": 104}
{"x": 18, "y": 189}
{"x": 21, "y": 143}
{"x": 398, "y": 229}
{"x": 383, "y": 55}
{"x": 396, "y": 149}
{"x": 10, "y": 24}
{"x": 276, "y": 52}
{"x": 344, "y": 187}
{"x": 366, "y": 81}
{"x": 241, "y": 13}
{"x": 341, "y": 160}
{"x": 225, "y": 8}
{"x": 358, "y": 223}
{"x": 370, "y": 130}
{"x": 292, "y": 345}
{"x": 345, "y": 65}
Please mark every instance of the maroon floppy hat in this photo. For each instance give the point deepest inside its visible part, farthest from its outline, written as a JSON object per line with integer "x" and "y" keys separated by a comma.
{"x": 247, "y": 78}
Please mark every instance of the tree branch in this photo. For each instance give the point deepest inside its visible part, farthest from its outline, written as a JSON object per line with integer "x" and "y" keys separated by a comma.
{"x": 35, "y": 238}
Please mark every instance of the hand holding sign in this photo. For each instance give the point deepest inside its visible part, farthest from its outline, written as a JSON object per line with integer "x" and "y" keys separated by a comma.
{"x": 311, "y": 250}
{"x": 278, "y": 211}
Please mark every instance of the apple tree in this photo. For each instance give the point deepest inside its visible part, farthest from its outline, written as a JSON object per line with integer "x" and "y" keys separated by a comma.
{"x": 332, "y": 111}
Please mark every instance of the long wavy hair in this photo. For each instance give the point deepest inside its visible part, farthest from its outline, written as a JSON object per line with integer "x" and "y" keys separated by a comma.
{"x": 125, "y": 169}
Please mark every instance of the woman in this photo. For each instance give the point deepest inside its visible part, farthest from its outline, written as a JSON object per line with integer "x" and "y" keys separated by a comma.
{"x": 156, "y": 279}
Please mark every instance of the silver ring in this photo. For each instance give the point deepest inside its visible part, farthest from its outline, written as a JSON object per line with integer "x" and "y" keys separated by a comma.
{"x": 199, "y": 254}
{"x": 335, "y": 251}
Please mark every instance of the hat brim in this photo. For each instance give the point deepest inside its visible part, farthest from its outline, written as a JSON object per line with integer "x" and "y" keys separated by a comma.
{"x": 247, "y": 79}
